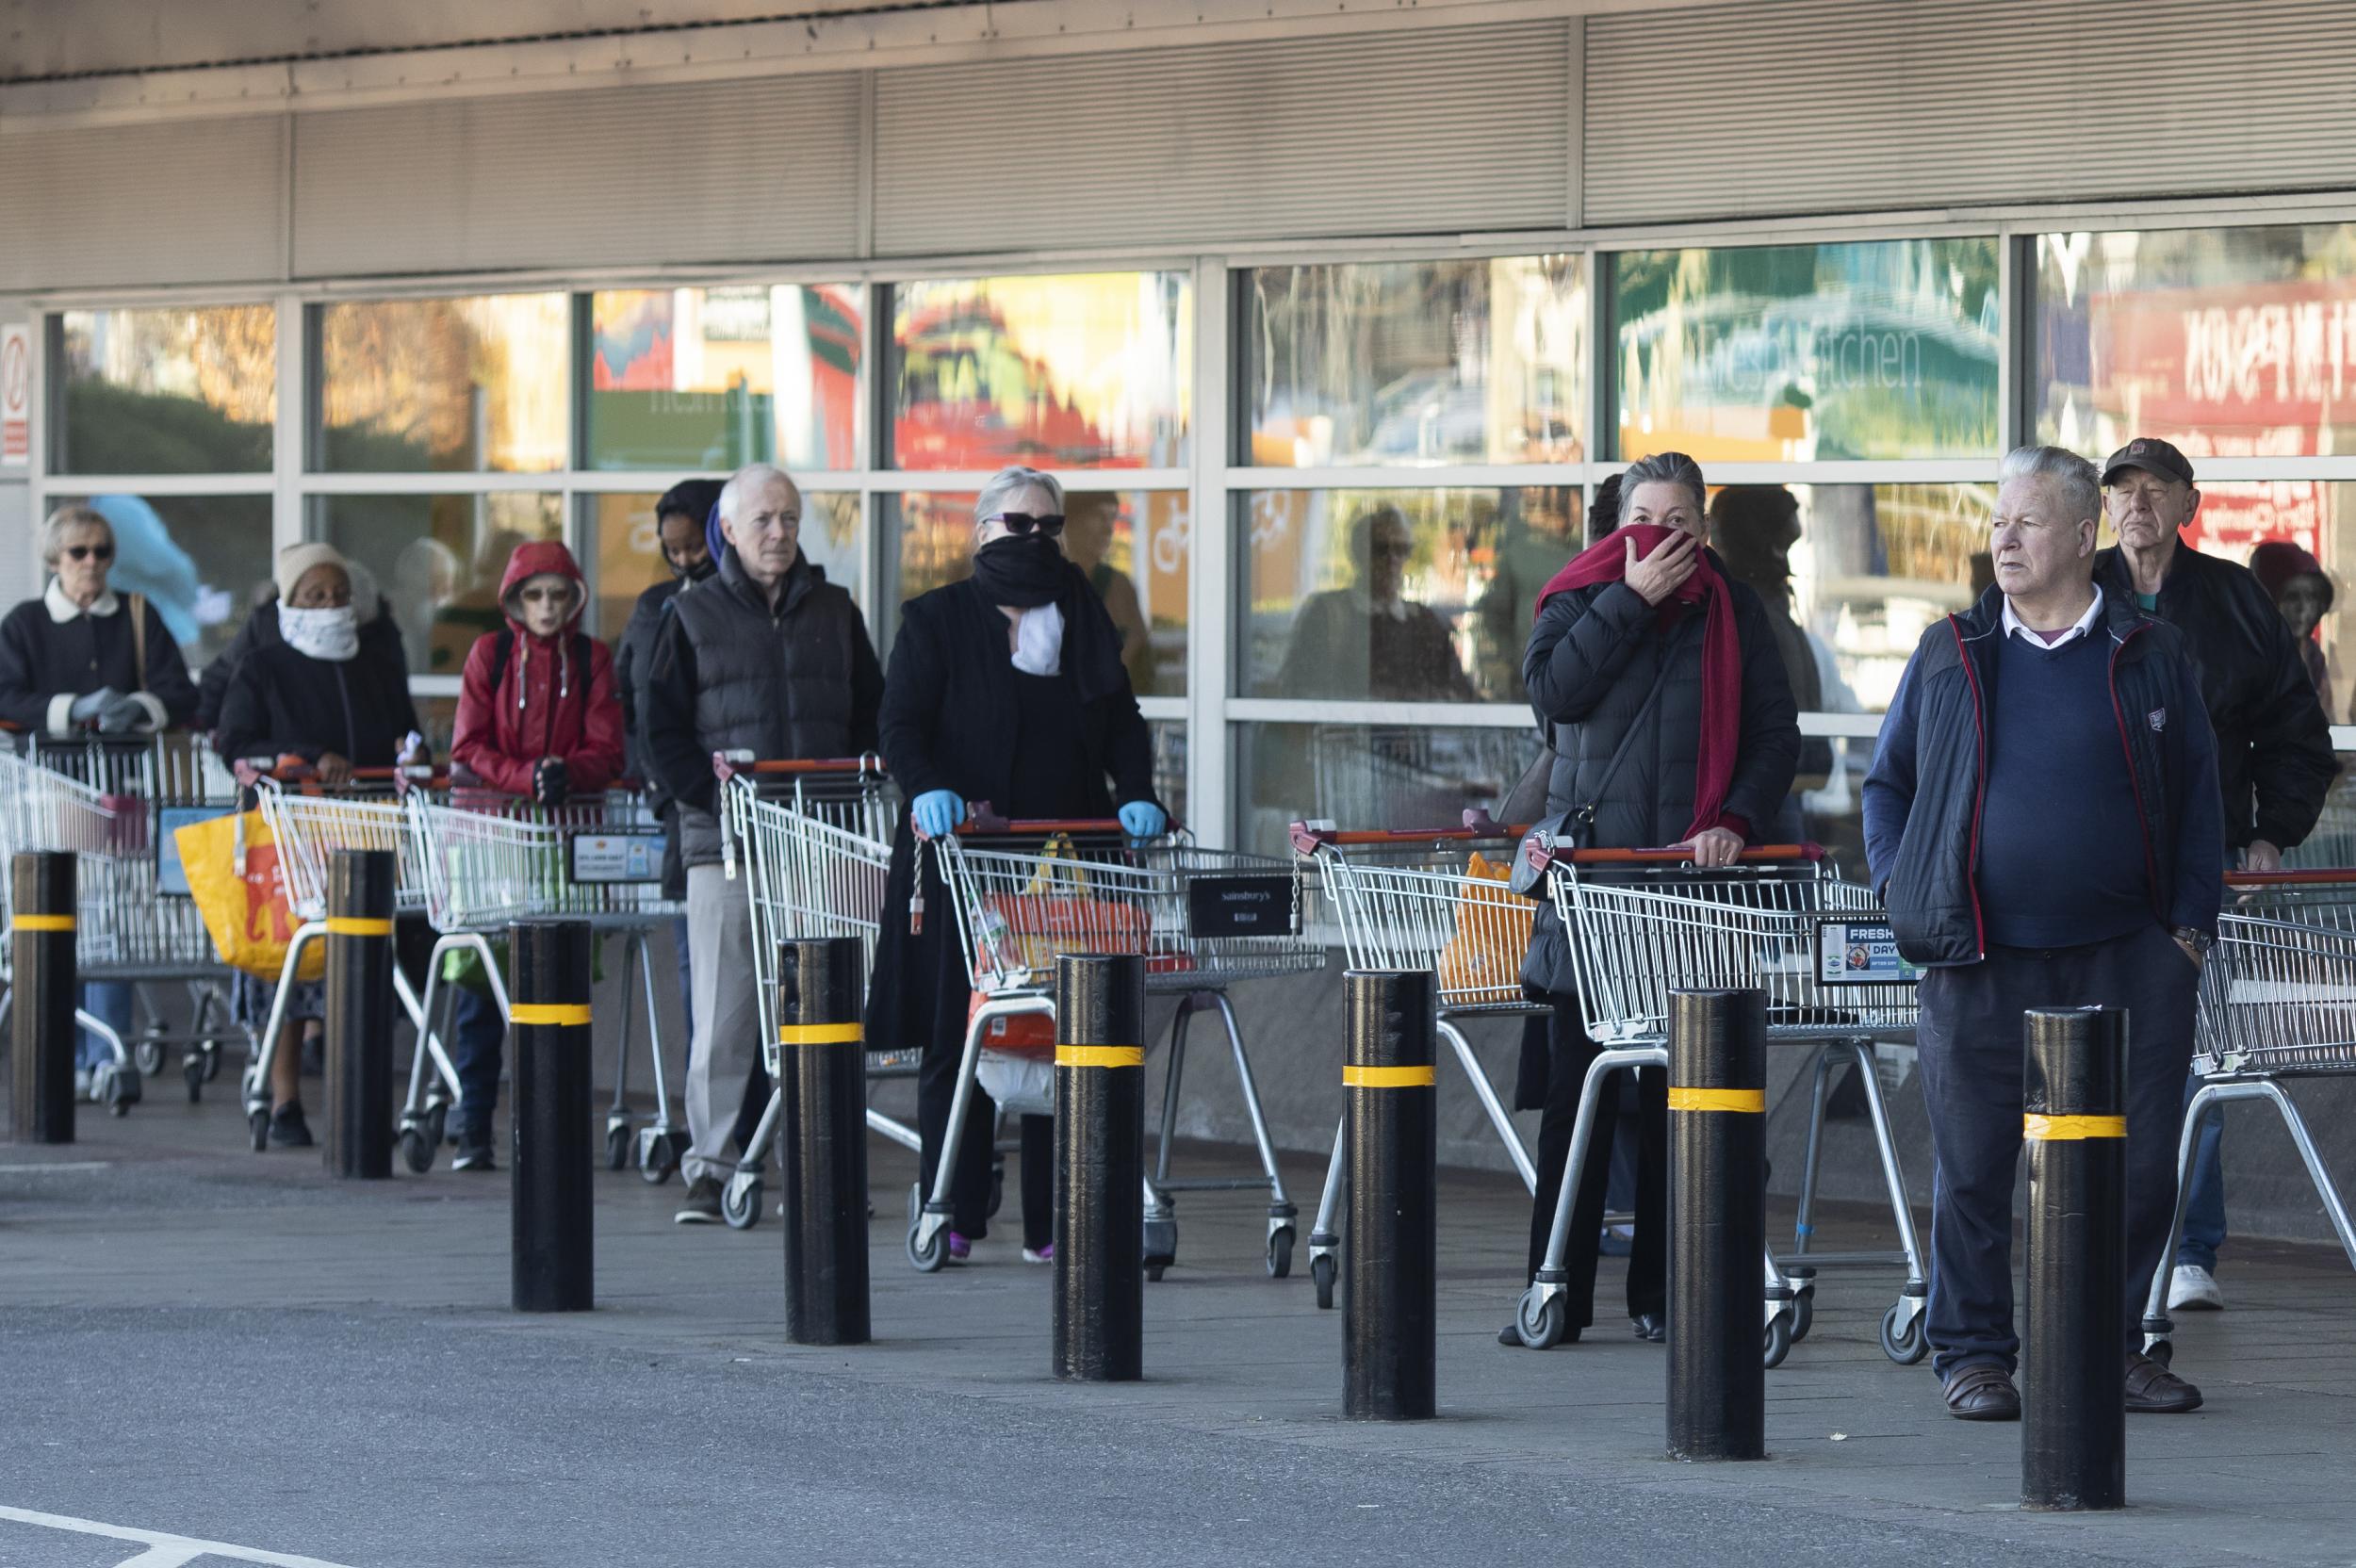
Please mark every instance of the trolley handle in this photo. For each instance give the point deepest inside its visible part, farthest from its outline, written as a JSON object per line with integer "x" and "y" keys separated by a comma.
{"x": 980, "y": 820}
{"x": 1760, "y": 856}
{"x": 2313, "y": 876}
{"x": 288, "y": 768}
{"x": 1308, "y": 837}
{"x": 727, "y": 764}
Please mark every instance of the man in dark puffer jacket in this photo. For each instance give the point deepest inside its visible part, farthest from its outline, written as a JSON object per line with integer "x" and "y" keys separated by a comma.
{"x": 770, "y": 657}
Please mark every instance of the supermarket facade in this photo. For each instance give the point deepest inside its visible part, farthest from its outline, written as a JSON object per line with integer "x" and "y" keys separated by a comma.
{"x": 1329, "y": 314}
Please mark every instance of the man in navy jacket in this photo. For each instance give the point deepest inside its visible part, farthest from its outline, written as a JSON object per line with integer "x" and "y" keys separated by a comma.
{"x": 2044, "y": 827}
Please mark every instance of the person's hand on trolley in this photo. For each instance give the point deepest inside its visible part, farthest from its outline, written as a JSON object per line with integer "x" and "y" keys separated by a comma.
{"x": 1142, "y": 819}
{"x": 937, "y": 813}
{"x": 1713, "y": 846}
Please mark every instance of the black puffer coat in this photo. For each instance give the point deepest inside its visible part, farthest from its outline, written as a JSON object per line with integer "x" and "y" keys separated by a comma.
{"x": 732, "y": 674}
{"x": 284, "y": 702}
{"x": 1591, "y": 661}
{"x": 261, "y": 631}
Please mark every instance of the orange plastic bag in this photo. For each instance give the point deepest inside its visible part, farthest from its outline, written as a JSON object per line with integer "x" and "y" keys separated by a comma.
{"x": 247, "y": 916}
{"x": 1492, "y": 932}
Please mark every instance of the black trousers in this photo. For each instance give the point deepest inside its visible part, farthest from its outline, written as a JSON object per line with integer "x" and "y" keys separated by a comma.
{"x": 1972, "y": 1039}
{"x": 1570, "y": 1054}
{"x": 969, "y": 1193}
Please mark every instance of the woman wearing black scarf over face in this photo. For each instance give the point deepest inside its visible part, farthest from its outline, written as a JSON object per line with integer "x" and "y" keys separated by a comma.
{"x": 1007, "y": 688}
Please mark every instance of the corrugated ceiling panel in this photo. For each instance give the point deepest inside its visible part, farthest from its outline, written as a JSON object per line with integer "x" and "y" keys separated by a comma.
{"x": 192, "y": 201}
{"x": 736, "y": 170}
{"x": 1418, "y": 133}
{"x": 1833, "y": 106}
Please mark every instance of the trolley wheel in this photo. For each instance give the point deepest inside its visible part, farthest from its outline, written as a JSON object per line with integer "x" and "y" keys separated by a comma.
{"x": 258, "y": 1129}
{"x": 1153, "y": 1272}
{"x": 1778, "y": 1339}
{"x": 739, "y": 1201}
{"x": 212, "y": 1051}
{"x": 1803, "y": 1311}
{"x": 436, "y": 1124}
{"x": 617, "y": 1146}
{"x": 1905, "y": 1346}
{"x": 1280, "y": 1254}
{"x": 658, "y": 1157}
{"x": 1540, "y": 1324}
{"x": 416, "y": 1149}
{"x": 147, "y": 1052}
{"x": 1321, "y": 1272}
{"x": 120, "y": 1091}
{"x": 928, "y": 1257}
{"x": 997, "y": 1185}
{"x": 193, "y": 1070}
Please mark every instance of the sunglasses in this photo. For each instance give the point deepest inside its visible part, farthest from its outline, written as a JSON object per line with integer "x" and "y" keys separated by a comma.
{"x": 106, "y": 552}
{"x": 1019, "y": 523}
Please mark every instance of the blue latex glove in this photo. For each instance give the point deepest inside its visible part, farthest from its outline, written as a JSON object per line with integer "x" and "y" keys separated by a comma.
{"x": 1144, "y": 820}
{"x": 937, "y": 813}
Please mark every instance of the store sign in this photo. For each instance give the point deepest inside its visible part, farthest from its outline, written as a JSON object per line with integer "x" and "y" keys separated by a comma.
{"x": 602, "y": 859}
{"x": 16, "y": 396}
{"x": 2246, "y": 371}
{"x": 1241, "y": 906}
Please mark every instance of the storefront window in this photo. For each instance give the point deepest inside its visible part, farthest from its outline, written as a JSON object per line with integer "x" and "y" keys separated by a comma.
{"x": 1370, "y": 776}
{"x": 1808, "y": 353}
{"x": 711, "y": 379}
{"x": 626, "y": 552}
{"x": 1421, "y": 362}
{"x": 2228, "y": 342}
{"x": 470, "y": 385}
{"x": 167, "y": 391}
{"x": 1087, "y": 371}
{"x": 1136, "y": 546}
{"x": 202, "y": 561}
{"x": 438, "y": 560}
{"x": 1395, "y": 595}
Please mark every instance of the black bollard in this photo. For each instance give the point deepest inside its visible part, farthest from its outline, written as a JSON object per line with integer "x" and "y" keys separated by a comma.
{"x": 1717, "y": 1223}
{"x": 554, "y": 1225}
{"x": 41, "y": 1034}
{"x": 360, "y": 1011}
{"x": 1099, "y": 1169}
{"x": 1390, "y": 1307}
{"x": 822, "y": 1139}
{"x": 2074, "y": 1432}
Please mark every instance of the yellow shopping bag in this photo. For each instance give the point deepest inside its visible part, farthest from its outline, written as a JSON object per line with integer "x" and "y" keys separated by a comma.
{"x": 247, "y": 916}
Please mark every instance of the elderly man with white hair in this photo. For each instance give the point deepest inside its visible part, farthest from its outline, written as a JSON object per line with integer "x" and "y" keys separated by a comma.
{"x": 2044, "y": 827}
{"x": 765, "y": 655}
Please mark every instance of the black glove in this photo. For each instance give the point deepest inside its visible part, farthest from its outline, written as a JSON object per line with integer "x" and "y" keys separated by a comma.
{"x": 551, "y": 784}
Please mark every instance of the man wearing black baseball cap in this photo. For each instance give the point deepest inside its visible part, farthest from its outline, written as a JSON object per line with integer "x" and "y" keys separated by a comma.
{"x": 2274, "y": 761}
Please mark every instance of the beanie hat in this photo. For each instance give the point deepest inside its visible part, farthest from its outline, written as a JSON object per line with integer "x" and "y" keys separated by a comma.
{"x": 2276, "y": 563}
{"x": 297, "y": 560}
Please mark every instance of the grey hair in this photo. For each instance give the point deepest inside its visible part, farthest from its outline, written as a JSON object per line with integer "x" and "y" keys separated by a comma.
{"x": 749, "y": 479}
{"x": 1667, "y": 468}
{"x": 64, "y": 521}
{"x": 1008, "y": 482}
{"x": 2077, "y": 483}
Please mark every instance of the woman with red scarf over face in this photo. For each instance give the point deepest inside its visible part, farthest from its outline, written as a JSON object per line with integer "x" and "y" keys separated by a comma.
{"x": 1648, "y": 652}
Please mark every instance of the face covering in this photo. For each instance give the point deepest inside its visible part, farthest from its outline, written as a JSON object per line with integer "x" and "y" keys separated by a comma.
{"x": 330, "y": 634}
{"x": 1022, "y": 570}
{"x": 697, "y": 573}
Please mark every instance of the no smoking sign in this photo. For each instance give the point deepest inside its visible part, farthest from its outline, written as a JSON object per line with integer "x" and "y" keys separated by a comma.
{"x": 16, "y": 397}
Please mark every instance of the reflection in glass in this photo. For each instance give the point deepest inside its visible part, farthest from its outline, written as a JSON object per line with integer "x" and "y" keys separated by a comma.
{"x": 1056, "y": 372}
{"x": 1808, "y": 353}
{"x": 1170, "y": 765}
{"x": 1415, "y": 362}
{"x": 168, "y": 391}
{"x": 1401, "y": 596}
{"x": 1363, "y": 776}
{"x": 438, "y": 560}
{"x": 2228, "y": 342}
{"x": 470, "y": 385}
{"x": 202, "y": 561}
{"x": 712, "y": 379}
{"x": 626, "y": 550}
{"x": 1136, "y": 546}
{"x": 2332, "y": 844}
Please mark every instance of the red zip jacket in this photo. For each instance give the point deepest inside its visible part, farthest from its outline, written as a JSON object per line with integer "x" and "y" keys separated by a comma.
{"x": 545, "y": 704}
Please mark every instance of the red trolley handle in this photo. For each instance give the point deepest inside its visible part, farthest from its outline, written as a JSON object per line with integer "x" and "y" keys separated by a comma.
{"x": 727, "y": 764}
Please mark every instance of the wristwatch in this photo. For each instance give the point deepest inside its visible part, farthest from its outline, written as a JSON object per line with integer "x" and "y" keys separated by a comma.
{"x": 2193, "y": 937}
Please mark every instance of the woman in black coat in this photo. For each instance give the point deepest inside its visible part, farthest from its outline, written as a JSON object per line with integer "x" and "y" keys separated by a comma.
{"x": 1007, "y": 688}
{"x": 1665, "y": 700}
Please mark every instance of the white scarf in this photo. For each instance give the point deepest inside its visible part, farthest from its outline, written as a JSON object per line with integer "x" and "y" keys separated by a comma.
{"x": 330, "y": 634}
{"x": 1039, "y": 641}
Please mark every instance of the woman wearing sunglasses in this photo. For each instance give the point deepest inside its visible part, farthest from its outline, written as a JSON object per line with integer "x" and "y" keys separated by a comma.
{"x": 1007, "y": 688}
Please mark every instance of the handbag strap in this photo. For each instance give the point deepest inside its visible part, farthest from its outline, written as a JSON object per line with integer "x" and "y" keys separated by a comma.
{"x": 139, "y": 642}
{"x": 1586, "y": 814}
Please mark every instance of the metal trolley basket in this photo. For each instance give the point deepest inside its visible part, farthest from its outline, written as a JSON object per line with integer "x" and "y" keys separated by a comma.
{"x": 813, "y": 840}
{"x": 1646, "y": 922}
{"x": 1023, "y": 891}
{"x": 2277, "y": 1001}
{"x": 486, "y": 859}
{"x": 1435, "y": 899}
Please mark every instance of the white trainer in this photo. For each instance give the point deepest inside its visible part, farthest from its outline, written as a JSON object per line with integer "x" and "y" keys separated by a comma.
{"x": 2193, "y": 1288}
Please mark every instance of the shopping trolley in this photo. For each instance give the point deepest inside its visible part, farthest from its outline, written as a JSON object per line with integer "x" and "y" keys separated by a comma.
{"x": 813, "y": 839}
{"x": 1438, "y": 900}
{"x": 1646, "y": 922}
{"x": 2277, "y": 1001}
{"x": 309, "y": 821}
{"x": 1023, "y": 891}
{"x": 486, "y": 859}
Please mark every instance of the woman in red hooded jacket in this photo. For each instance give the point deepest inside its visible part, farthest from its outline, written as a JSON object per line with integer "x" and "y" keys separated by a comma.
{"x": 538, "y": 715}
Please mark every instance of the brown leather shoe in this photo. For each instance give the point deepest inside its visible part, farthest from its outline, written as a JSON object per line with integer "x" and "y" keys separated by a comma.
{"x": 1983, "y": 1392}
{"x": 2153, "y": 1390}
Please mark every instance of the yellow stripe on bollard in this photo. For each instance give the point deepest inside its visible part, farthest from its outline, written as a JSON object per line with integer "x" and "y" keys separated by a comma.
{"x": 2069, "y": 1129}
{"x": 357, "y": 925}
{"x": 549, "y": 1012}
{"x": 821, "y": 1033}
{"x": 43, "y": 923}
{"x": 1100, "y": 1055}
{"x": 1386, "y": 1077}
{"x": 1753, "y": 1102}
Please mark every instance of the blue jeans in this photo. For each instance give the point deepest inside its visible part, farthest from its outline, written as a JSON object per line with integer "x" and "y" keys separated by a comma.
{"x": 478, "y": 1033}
{"x": 2204, "y": 1179}
{"x": 108, "y": 1001}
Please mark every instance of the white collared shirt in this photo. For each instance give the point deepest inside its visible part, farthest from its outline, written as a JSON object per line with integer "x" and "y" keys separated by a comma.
{"x": 2083, "y": 627}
